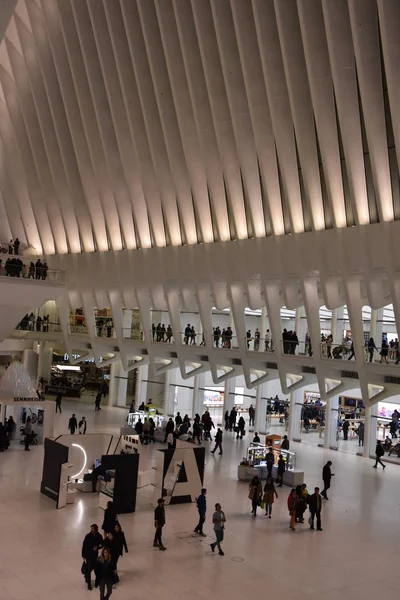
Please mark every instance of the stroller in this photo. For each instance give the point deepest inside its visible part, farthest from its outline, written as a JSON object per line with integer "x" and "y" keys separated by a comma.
{"x": 34, "y": 437}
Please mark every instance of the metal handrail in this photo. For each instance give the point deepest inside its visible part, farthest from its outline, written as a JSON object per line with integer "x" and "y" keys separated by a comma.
{"x": 44, "y": 327}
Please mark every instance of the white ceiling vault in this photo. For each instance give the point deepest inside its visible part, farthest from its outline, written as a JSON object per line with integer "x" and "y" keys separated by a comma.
{"x": 151, "y": 123}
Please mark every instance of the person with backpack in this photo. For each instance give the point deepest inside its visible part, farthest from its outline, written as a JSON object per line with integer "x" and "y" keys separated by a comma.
{"x": 202, "y": 509}
{"x": 379, "y": 452}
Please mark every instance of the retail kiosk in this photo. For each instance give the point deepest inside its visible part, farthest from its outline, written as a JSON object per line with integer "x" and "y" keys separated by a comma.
{"x": 255, "y": 464}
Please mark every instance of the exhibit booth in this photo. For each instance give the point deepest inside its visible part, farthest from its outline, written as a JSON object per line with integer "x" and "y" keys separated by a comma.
{"x": 93, "y": 462}
{"x": 179, "y": 473}
{"x": 19, "y": 399}
{"x": 254, "y": 463}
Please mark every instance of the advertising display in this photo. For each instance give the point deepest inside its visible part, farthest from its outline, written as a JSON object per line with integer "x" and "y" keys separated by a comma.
{"x": 385, "y": 409}
{"x": 55, "y": 455}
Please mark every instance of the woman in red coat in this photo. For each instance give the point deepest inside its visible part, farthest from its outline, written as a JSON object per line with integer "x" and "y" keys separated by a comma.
{"x": 292, "y": 503}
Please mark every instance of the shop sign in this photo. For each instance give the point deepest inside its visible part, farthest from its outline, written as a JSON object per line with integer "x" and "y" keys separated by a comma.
{"x": 35, "y": 399}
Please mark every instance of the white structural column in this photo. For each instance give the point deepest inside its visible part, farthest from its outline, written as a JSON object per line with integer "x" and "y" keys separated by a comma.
{"x": 263, "y": 327}
{"x": 126, "y": 323}
{"x": 259, "y": 422}
{"x": 169, "y": 393}
{"x": 295, "y": 409}
{"x": 118, "y": 385}
{"x": 45, "y": 360}
{"x": 376, "y": 326}
{"x": 337, "y": 324}
{"x": 141, "y": 386}
{"x": 331, "y": 422}
{"x": 30, "y": 362}
{"x": 301, "y": 328}
{"x": 198, "y": 394}
{"x": 229, "y": 397}
{"x": 370, "y": 431}
{"x": 48, "y": 422}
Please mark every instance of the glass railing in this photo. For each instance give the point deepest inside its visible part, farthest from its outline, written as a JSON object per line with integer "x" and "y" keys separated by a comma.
{"x": 341, "y": 351}
{"x": 384, "y": 355}
{"x": 259, "y": 344}
{"x": 132, "y": 334}
{"x": 104, "y": 330}
{"x": 78, "y": 329}
{"x": 9, "y": 249}
{"x": 297, "y": 347}
{"x": 25, "y": 272}
{"x": 162, "y": 336}
{"x": 226, "y": 342}
{"x": 40, "y": 326}
{"x": 193, "y": 339}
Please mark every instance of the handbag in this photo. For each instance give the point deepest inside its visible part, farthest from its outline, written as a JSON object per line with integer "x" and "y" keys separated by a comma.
{"x": 262, "y": 504}
{"x": 84, "y": 568}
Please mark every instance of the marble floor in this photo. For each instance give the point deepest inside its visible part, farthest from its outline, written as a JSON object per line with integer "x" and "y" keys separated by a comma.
{"x": 355, "y": 555}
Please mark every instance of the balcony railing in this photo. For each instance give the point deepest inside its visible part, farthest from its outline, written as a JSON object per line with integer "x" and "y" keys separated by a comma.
{"x": 259, "y": 344}
{"x": 50, "y": 276}
{"x": 33, "y": 325}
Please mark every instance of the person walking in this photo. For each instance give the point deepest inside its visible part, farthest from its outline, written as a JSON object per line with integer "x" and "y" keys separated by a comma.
{"x": 58, "y": 402}
{"x": 345, "y": 427}
{"x": 72, "y": 424}
{"x": 360, "y": 432}
{"x": 269, "y": 496}
{"x": 240, "y": 428}
{"x": 281, "y": 468}
{"x": 105, "y": 574}
{"x": 270, "y": 459}
{"x": 292, "y": 503}
{"x": 159, "y": 522}
{"x": 379, "y": 452}
{"x": 218, "y": 441}
{"x": 119, "y": 543}
{"x": 219, "y": 520}
{"x": 97, "y": 401}
{"x": 110, "y": 519}
{"x": 28, "y": 434}
{"x": 255, "y": 493}
{"x": 82, "y": 426}
{"x": 202, "y": 509}
{"x": 90, "y": 549}
{"x": 285, "y": 443}
{"x": 371, "y": 349}
{"x": 10, "y": 427}
{"x": 197, "y": 430}
{"x": 315, "y": 505}
{"x": 226, "y": 418}
{"x": 384, "y": 351}
{"x": 327, "y": 477}
{"x": 252, "y": 414}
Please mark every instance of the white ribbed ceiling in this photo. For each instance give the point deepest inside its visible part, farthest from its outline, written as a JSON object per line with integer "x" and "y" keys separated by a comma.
{"x": 140, "y": 123}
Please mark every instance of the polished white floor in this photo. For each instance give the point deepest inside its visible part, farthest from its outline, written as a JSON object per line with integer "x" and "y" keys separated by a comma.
{"x": 355, "y": 556}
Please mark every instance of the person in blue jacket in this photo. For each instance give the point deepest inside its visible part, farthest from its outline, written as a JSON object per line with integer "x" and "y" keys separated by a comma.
{"x": 202, "y": 508}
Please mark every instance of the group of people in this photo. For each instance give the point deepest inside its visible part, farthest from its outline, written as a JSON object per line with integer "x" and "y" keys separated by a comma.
{"x": 104, "y": 327}
{"x": 222, "y": 338}
{"x": 32, "y": 323}
{"x": 189, "y": 335}
{"x": 15, "y": 267}
{"x": 256, "y": 339}
{"x": 101, "y": 554}
{"x": 160, "y": 333}
{"x": 145, "y": 430}
{"x": 290, "y": 341}
{"x": 201, "y": 429}
{"x": 298, "y": 500}
{"x": 12, "y": 247}
{"x": 73, "y": 425}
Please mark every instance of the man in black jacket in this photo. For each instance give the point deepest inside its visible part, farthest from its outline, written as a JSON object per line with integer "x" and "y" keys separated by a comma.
{"x": 327, "y": 476}
{"x": 379, "y": 452}
{"x": 72, "y": 424}
{"x": 218, "y": 441}
{"x": 159, "y": 522}
{"x": 91, "y": 544}
{"x": 315, "y": 505}
{"x": 202, "y": 508}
